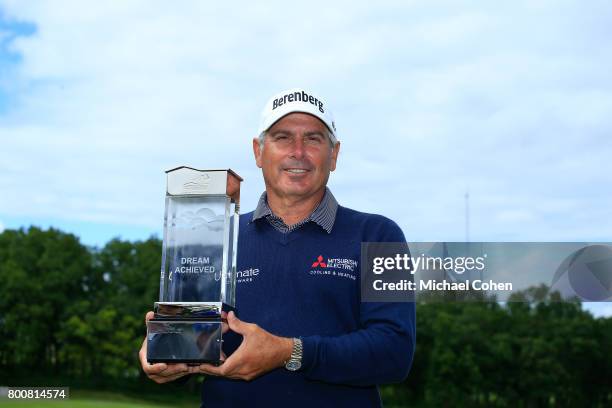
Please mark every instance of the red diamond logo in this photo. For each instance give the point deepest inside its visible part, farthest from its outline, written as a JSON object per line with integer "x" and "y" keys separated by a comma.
{"x": 319, "y": 262}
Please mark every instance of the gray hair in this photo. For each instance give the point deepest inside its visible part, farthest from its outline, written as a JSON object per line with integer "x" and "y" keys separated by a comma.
{"x": 263, "y": 134}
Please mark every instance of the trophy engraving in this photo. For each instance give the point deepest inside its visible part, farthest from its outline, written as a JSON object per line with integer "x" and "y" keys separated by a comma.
{"x": 198, "y": 273}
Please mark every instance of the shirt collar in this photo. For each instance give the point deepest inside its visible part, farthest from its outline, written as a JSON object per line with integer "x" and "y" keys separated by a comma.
{"x": 323, "y": 215}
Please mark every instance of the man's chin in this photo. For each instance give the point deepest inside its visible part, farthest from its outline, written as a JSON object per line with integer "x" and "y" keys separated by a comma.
{"x": 296, "y": 190}
{"x": 289, "y": 184}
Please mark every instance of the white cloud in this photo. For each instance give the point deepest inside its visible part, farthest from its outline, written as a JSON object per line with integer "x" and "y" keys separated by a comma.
{"x": 511, "y": 101}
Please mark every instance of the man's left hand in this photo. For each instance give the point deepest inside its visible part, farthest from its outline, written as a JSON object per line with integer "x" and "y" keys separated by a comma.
{"x": 259, "y": 352}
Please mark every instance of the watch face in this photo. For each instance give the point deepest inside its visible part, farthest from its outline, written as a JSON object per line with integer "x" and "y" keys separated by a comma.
{"x": 293, "y": 365}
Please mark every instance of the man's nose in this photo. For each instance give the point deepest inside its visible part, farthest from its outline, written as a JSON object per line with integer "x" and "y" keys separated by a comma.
{"x": 298, "y": 148}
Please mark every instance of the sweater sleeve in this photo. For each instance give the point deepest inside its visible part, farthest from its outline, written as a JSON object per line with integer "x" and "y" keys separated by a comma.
{"x": 379, "y": 351}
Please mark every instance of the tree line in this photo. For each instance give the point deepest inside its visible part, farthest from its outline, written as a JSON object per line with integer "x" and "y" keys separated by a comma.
{"x": 72, "y": 312}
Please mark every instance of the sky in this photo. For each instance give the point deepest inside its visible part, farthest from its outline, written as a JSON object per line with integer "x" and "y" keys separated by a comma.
{"x": 510, "y": 102}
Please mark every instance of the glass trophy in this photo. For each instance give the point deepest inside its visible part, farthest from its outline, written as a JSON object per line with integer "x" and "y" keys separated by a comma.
{"x": 198, "y": 272}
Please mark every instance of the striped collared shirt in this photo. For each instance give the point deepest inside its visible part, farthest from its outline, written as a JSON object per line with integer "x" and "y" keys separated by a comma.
{"x": 324, "y": 215}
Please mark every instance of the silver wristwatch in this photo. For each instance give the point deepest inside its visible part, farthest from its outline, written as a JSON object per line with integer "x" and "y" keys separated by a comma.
{"x": 295, "y": 362}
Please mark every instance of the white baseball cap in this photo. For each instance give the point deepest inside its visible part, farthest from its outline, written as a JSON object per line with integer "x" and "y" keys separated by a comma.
{"x": 296, "y": 100}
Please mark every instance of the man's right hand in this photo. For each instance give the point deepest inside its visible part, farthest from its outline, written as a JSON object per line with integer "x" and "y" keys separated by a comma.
{"x": 161, "y": 372}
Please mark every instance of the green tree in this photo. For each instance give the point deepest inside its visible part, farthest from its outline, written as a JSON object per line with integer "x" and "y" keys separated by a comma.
{"x": 41, "y": 272}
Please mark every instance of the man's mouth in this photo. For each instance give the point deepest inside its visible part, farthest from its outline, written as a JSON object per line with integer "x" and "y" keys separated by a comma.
{"x": 296, "y": 171}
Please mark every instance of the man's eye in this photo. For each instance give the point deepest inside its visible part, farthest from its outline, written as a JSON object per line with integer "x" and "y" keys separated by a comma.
{"x": 314, "y": 139}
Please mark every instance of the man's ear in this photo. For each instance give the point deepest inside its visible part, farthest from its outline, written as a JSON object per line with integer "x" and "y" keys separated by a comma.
{"x": 257, "y": 151}
{"x": 334, "y": 156}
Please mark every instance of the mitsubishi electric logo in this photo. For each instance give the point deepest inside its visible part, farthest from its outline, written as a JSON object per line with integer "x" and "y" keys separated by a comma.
{"x": 335, "y": 267}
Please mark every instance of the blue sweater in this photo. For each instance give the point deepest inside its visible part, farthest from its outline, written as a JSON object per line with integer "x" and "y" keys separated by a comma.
{"x": 307, "y": 284}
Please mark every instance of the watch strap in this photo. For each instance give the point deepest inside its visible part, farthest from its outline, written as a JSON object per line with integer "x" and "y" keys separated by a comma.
{"x": 295, "y": 361}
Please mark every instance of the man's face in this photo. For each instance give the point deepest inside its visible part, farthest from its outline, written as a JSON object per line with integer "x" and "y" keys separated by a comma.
{"x": 297, "y": 157}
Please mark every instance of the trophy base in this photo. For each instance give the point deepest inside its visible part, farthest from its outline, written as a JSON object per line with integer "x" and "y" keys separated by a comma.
{"x": 184, "y": 341}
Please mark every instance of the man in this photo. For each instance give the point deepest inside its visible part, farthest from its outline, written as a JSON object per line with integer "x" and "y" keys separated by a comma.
{"x": 309, "y": 339}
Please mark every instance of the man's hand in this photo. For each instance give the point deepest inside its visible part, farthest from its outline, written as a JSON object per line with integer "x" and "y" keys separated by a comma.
{"x": 258, "y": 353}
{"x": 162, "y": 372}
